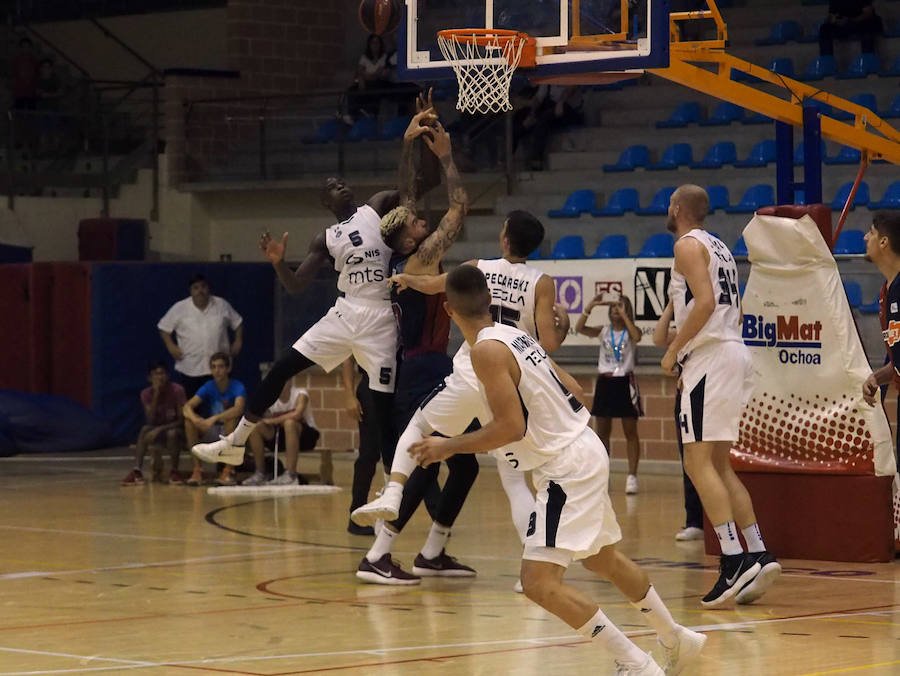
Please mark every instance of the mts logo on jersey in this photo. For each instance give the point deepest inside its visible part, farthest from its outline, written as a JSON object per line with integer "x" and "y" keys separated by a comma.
{"x": 794, "y": 338}
{"x": 891, "y": 334}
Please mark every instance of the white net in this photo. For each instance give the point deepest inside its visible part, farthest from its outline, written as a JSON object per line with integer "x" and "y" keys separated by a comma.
{"x": 484, "y": 66}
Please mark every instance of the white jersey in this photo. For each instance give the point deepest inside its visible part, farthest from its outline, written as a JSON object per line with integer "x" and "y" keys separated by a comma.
{"x": 616, "y": 352}
{"x": 554, "y": 418}
{"x": 512, "y": 288}
{"x": 360, "y": 256}
{"x": 724, "y": 323}
{"x": 280, "y": 406}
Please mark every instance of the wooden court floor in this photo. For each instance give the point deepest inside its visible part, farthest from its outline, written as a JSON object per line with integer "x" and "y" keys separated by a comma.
{"x": 97, "y": 578}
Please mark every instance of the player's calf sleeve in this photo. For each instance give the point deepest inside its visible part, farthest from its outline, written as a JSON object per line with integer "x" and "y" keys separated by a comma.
{"x": 416, "y": 430}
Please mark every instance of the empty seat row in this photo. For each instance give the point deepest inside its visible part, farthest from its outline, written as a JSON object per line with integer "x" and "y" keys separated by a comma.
{"x": 791, "y": 31}
{"x": 364, "y": 129}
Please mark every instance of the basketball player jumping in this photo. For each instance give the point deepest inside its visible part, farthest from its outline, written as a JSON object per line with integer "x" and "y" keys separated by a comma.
{"x": 543, "y": 427}
{"x": 716, "y": 375}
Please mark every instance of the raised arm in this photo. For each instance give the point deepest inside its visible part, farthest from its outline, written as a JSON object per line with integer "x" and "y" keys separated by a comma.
{"x": 294, "y": 282}
{"x": 581, "y": 325}
{"x": 552, "y": 323}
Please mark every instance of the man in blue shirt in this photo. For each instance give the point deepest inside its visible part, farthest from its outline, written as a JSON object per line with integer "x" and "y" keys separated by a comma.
{"x": 223, "y": 403}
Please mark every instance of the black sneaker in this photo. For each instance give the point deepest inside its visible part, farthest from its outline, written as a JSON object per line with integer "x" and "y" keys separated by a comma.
{"x": 356, "y": 529}
{"x": 735, "y": 570}
{"x": 442, "y": 565}
{"x": 769, "y": 571}
{"x": 384, "y": 571}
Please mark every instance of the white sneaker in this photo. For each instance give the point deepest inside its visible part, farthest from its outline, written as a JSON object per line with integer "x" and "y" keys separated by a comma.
{"x": 220, "y": 451}
{"x": 256, "y": 479}
{"x": 285, "y": 479}
{"x": 685, "y": 652}
{"x": 631, "y": 485}
{"x": 689, "y": 533}
{"x": 517, "y": 587}
{"x": 386, "y": 507}
{"x": 648, "y": 668}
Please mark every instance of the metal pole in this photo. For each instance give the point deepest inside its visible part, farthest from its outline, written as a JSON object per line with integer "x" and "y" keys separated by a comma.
{"x": 154, "y": 150}
{"x": 784, "y": 163}
{"x": 812, "y": 155}
{"x": 105, "y": 209}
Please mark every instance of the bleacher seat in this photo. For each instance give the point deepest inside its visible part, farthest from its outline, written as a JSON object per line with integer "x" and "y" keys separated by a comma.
{"x": 676, "y": 155}
{"x": 658, "y": 245}
{"x": 682, "y": 116}
{"x": 890, "y": 199}
{"x": 535, "y": 255}
{"x": 760, "y": 155}
{"x": 781, "y": 33}
{"x": 659, "y": 204}
{"x": 854, "y": 293}
{"x": 756, "y": 118}
{"x": 893, "y": 71}
{"x": 325, "y": 132}
{"x": 863, "y": 65}
{"x": 850, "y": 242}
{"x": 755, "y": 197}
{"x": 894, "y": 109}
{"x": 570, "y": 246}
{"x": 631, "y": 158}
{"x": 364, "y": 129}
{"x": 739, "y": 248}
{"x": 864, "y": 100}
{"x": 846, "y": 155}
{"x": 577, "y": 203}
{"x": 869, "y": 308}
{"x": 724, "y": 114}
{"x": 612, "y": 246}
{"x": 719, "y": 154}
{"x": 782, "y": 66}
{"x": 819, "y": 68}
{"x": 840, "y": 199}
{"x": 718, "y": 197}
{"x": 394, "y": 128}
{"x": 622, "y": 200}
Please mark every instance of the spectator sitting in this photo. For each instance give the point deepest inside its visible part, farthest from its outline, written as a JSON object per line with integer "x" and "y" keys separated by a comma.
{"x": 200, "y": 324}
{"x": 292, "y": 412}
{"x": 163, "y": 402}
{"x": 847, "y": 19}
{"x": 224, "y": 400}
{"x": 372, "y": 72}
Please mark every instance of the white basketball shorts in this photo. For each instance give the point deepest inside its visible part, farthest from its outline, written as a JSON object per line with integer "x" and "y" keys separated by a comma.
{"x": 453, "y": 404}
{"x": 365, "y": 329}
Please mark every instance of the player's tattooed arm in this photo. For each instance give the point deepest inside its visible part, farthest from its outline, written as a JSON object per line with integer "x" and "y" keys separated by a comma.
{"x": 421, "y": 124}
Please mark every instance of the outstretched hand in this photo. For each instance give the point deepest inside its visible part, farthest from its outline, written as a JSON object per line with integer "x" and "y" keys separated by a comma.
{"x": 424, "y": 102}
{"x": 273, "y": 249}
{"x": 438, "y": 141}
{"x": 421, "y": 123}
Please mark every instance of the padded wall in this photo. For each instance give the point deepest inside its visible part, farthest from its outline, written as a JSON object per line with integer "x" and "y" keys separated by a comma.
{"x": 70, "y": 335}
{"x": 25, "y": 354}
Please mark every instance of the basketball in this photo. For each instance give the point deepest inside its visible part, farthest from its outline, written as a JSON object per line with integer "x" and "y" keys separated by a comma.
{"x": 380, "y": 16}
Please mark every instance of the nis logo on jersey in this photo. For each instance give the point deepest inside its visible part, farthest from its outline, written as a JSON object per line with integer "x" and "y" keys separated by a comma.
{"x": 797, "y": 342}
{"x": 366, "y": 274}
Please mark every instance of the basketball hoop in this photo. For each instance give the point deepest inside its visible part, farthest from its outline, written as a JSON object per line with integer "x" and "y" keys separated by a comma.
{"x": 484, "y": 61}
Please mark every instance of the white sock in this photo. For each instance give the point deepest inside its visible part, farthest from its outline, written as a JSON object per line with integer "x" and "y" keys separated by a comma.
{"x": 753, "y": 538}
{"x": 656, "y": 614}
{"x": 437, "y": 539}
{"x": 416, "y": 430}
{"x": 728, "y": 540}
{"x": 384, "y": 542}
{"x": 521, "y": 501}
{"x": 600, "y": 628}
{"x": 241, "y": 432}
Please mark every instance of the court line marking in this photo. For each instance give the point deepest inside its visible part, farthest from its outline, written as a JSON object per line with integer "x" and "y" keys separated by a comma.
{"x": 43, "y": 459}
{"x": 846, "y": 669}
{"x": 129, "y": 536}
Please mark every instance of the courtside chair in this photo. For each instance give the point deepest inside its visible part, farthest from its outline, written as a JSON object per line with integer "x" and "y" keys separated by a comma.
{"x": 622, "y": 200}
{"x": 865, "y": 100}
{"x": 718, "y": 197}
{"x": 577, "y": 203}
{"x": 781, "y": 33}
{"x": 658, "y": 245}
{"x": 325, "y": 132}
{"x": 850, "y": 242}
{"x": 394, "y": 128}
{"x": 676, "y": 155}
{"x": 854, "y": 293}
{"x": 894, "y": 109}
{"x": 890, "y": 199}
{"x": 861, "y": 199}
{"x": 719, "y": 154}
{"x": 755, "y": 197}
{"x": 740, "y": 248}
{"x": 630, "y": 159}
{"x": 659, "y": 204}
{"x": 682, "y": 116}
{"x": 612, "y": 246}
{"x": 819, "y": 68}
{"x": 570, "y": 246}
{"x": 863, "y": 66}
{"x": 760, "y": 155}
{"x": 364, "y": 129}
{"x": 846, "y": 155}
{"x": 724, "y": 114}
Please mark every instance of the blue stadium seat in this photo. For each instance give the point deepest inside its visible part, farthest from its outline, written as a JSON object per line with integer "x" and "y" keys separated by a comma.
{"x": 535, "y": 255}
{"x": 783, "y": 66}
{"x": 819, "y": 68}
{"x": 719, "y": 154}
{"x": 682, "y": 116}
{"x": 740, "y": 248}
{"x": 755, "y": 197}
{"x": 659, "y": 204}
{"x": 863, "y": 65}
{"x": 840, "y": 199}
{"x": 869, "y": 308}
{"x": 894, "y": 109}
{"x": 893, "y": 71}
{"x": 850, "y": 242}
{"x": 864, "y": 100}
{"x": 760, "y": 155}
{"x": 846, "y": 155}
{"x": 756, "y": 118}
{"x": 799, "y": 152}
{"x": 781, "y": 33}
{"x": 612, "y": 246}
{"x": 394, "y": 128}
{"x": 676, "y": 155}
{"x": 658, "y": 245}
{"x": 890, "y": 199}
{"x": 327, "y": 131}
{"x": 364, "y": 129}
{"x": 854, "y": 293}
{"x": 570, "y": 246}
{"x": 625, "y": 199}
{"x": 718, "y": 197}
{"x": 631, "y": 158}
{"x": 577, "y": 203}
{"x": 724, "y": 114}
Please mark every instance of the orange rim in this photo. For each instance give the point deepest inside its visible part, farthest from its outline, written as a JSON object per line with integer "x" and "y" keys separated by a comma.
{"x": 485, "y": 36}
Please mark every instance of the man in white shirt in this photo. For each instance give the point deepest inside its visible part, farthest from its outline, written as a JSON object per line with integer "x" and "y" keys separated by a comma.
{"x": 200, "y": 325}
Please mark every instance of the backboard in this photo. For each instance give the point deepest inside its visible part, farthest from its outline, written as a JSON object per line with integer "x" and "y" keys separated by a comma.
{"x": 573, "y": 36}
